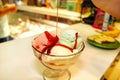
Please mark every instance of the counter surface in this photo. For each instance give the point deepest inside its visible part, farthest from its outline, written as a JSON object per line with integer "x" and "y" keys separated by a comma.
{"x": 17, "y": 61}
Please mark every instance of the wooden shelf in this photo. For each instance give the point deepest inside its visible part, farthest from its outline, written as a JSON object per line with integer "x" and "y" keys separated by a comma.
{"x": 62, "y": 13}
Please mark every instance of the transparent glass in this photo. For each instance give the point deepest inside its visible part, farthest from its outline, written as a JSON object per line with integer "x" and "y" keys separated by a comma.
{"x": 57, "y": 65}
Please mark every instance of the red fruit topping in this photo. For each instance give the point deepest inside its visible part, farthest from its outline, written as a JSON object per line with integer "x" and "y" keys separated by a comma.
{"x": 49, "y": 36}
{"x": 51, "y": 39}
{"x": 76, "y": 42}
{"x": 45, "y": 41}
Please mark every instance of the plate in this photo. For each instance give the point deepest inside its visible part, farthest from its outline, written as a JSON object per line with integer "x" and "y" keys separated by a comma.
{"x": 105, "y": 45}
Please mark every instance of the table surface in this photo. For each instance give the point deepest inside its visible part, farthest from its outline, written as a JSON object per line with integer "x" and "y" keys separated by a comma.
{"x": 17, "y": 61}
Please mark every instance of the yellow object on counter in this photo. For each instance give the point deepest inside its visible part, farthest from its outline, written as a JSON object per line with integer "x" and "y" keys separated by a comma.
{"x": 101, "y": 38}
{"x": 112, "y": 31}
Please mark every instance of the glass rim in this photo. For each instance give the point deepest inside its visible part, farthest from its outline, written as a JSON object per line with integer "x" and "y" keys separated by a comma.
{"x": 47, "y": 54}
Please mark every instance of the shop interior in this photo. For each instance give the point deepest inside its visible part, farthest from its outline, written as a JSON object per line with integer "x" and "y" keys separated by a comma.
{"x": 33, "y": 17}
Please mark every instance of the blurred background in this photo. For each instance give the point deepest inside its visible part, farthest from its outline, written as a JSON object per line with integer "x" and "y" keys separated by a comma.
{"x": 36, "y": 16}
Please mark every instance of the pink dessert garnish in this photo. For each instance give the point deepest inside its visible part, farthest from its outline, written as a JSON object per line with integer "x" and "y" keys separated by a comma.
{"x": 45, "y": 41}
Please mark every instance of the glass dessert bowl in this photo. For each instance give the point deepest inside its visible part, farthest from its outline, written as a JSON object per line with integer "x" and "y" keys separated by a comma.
{"x": 57, "y": 59}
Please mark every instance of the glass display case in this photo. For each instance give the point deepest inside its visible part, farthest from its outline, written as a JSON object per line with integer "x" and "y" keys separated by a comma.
{"x": 32, "y": 14}
{"x": 33, "y": 18}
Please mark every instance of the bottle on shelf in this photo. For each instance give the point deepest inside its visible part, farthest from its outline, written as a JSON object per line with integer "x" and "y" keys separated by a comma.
{"x": 88, "y": 11}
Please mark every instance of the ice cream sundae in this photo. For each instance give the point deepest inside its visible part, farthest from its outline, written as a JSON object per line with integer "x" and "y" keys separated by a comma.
{"x": 67, "y": 44}
{"x": 58, "y": 52}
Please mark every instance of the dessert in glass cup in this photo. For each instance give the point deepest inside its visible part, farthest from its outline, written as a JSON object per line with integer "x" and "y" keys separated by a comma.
{"x": 58, "y": 53}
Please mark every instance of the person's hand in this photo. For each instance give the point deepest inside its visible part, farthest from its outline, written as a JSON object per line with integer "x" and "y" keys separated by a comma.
{"x": 110, "y": 6}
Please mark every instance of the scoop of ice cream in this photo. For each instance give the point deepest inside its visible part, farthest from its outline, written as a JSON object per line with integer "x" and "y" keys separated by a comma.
{"x": 44, "y": 41}
{"x": 70, "y": 38}
{"x": 60, "y": 49}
